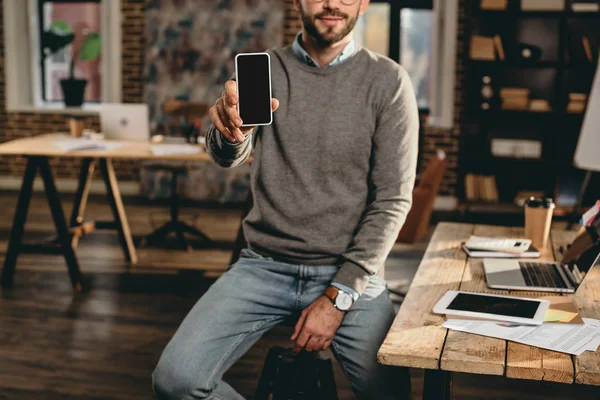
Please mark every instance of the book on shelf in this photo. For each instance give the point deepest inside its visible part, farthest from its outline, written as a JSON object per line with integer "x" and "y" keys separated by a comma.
{"x": 471, "y": 188}
{"x": 587, "y": 48}
{"x": 499, "y": 47}
{"x": 482, "y": 48}
{"x": 481, "y": 187}
{"x": 542, "y": 5}
{"x": 493, "y": 5}
{"x": 585, "y": 7}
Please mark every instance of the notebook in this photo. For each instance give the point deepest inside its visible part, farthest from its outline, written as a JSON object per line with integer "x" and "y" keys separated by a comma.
{"x": 531, "y": 252}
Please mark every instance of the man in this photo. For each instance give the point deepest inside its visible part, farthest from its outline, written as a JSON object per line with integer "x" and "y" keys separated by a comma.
{"x": 332, "y": 181}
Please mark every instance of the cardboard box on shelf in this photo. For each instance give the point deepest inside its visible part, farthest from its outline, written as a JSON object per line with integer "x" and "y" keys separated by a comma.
{"x": 518, "y": 148}
{"x": 542, "y": 5}
{"x": 585, "y": 7}
{"x": 482, "y": 48}
{"x": 539, "y": 105}
{"x": 576, "y": 107}
{"x": 514, "y": 92}
{"x": 515, "y": 103}
{"x": 578, "y": 97}
{"x": 493, "y": 5}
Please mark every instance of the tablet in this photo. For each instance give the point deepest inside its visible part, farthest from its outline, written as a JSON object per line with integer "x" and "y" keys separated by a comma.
{"x": 493, "y": 307}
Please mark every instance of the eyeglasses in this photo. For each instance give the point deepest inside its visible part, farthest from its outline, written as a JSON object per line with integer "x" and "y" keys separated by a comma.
{"x": 344, "y": 2}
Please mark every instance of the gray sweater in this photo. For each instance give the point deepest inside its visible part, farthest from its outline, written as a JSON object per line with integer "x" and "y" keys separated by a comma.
{"x": 332, "y": 176}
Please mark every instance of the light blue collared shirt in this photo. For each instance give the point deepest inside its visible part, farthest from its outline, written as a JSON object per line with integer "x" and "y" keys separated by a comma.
{"x": 345, "y": 54}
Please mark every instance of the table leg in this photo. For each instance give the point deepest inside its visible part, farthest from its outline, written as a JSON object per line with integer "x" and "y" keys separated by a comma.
{"x": 18, "y": 226}
{"x": 116, "y": 204}
{"x": 83, "y": 190}
{"x": 437, "y": 385}
{"x": 64, "y": 236}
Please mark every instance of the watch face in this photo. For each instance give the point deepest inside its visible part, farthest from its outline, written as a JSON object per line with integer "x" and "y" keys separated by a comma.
{"x": 343, "y": 301}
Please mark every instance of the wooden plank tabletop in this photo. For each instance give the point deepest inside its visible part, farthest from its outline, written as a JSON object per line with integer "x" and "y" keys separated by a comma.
{"x": 45, "y": 145}
{"x": 417, "y": 338}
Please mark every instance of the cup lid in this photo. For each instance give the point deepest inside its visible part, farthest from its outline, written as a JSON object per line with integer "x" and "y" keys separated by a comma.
{"x": 540, "y": 202}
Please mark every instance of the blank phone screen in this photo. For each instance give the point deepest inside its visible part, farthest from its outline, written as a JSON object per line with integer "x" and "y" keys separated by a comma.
{"x": 254, "y": 89}
{"x": 511, "y": 307}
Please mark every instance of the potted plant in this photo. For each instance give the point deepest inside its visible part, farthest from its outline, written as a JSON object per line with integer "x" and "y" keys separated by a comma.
{"x": 60, "y": 35}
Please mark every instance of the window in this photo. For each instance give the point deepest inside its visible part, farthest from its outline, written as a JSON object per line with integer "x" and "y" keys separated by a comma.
{"x": 402, "y": 30}
{"x": 421, "y": 35}
{"x": 33, "y": 77}
{"x": 84, "y": 17}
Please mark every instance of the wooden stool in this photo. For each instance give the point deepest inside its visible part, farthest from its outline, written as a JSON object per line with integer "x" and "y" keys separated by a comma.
{"x": 305, "y": 376}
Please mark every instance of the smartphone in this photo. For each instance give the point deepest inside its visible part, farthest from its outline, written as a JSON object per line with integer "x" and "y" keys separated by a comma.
{"x": 253, "y": 76}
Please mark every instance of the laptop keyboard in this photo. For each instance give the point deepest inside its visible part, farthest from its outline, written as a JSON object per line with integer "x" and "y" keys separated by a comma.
{"x": 541, "y": 275}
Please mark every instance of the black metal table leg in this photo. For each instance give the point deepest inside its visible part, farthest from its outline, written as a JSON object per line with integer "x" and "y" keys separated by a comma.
{"x": 18, "y": 226}
{"x": 83, "y": 190}
{"x": 437, "y": 385}
{"x": 116, "y": 204}
{"x": 64, "y": 235}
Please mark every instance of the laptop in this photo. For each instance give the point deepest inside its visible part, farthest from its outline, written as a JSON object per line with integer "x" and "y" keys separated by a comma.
{"x": 555, "y": 277}
{"x": 125, "y": 121}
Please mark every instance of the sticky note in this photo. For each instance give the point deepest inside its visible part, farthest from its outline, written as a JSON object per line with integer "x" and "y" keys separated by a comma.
{"x": 559, "y": 316}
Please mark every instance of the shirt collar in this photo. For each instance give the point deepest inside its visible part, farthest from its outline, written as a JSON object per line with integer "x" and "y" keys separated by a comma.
{"x": 303, "y": 56}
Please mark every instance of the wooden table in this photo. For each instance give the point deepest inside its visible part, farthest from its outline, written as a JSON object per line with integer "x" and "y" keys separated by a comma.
{"x": 38, "y": 150}
{"x": 417, "y": 338}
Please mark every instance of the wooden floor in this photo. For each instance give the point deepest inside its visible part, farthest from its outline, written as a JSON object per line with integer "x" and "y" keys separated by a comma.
{"x": 104, "y": 344}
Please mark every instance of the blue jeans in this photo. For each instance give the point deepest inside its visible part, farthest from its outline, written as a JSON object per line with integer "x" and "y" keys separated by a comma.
{"x": 254, "y": 295}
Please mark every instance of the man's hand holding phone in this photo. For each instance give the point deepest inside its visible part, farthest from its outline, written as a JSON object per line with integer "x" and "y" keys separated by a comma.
{"x": 225, "y": 116}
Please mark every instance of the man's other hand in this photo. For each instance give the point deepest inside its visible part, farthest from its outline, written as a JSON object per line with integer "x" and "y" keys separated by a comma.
{"x": 317, "y": 326}
{"x": 225, "y": 117}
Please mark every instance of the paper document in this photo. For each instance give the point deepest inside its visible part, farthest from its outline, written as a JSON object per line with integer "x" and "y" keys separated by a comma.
{"x": 564, "y": 338}
{"x": 169, "y": 149}
{"x": 72, "y": 144}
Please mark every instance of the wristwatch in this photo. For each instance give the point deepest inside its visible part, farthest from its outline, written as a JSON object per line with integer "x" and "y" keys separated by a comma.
{"x": 341, "y": 300}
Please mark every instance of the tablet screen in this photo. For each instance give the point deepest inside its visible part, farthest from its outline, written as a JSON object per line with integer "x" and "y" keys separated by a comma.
{"x": 511, "y": 307}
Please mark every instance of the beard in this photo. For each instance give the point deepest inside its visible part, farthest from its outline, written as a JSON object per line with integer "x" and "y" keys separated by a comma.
{"x": 328, "y": 36}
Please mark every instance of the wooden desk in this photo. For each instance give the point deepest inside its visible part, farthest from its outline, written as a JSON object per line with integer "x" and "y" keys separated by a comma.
{"x": 38, "y": 150}
{"x": 417, "y": 338}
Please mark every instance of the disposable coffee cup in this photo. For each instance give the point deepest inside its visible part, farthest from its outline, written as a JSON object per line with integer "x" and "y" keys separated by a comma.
{"x": 76, "y": 125}
{"x": 538, "y": 219}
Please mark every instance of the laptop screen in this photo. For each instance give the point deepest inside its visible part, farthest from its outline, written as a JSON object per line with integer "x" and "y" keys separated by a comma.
{"x": 582, "y": 263}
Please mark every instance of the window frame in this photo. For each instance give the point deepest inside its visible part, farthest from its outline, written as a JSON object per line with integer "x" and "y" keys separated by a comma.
{"x": 41, "y": 68}
{"x": 22, "y": 71}
{"x": 395, "y": 35}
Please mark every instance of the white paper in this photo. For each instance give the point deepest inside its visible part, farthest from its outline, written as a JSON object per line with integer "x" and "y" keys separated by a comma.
{"x": 72, "y": 144}
{"x": 565, "y": 338}
{"x": 171, "y": 149}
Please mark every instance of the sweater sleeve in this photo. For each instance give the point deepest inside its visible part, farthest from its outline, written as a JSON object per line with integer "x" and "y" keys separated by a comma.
{"x": 391, "y": 181}
{"x": 225, "y": 153}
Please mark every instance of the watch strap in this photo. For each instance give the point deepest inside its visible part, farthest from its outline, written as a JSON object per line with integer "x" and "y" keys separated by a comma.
{"x": 332, "y": 293}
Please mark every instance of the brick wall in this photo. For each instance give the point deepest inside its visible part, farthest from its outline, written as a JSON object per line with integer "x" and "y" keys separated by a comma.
{"x": 18, "y": 125}
{"x": 445, "y": 139}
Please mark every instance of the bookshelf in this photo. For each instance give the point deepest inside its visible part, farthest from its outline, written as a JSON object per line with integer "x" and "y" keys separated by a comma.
{"x": 558, "y": 74}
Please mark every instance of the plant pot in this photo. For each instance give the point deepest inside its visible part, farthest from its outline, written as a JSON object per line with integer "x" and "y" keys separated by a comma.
{"x": 73, "y": 91}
